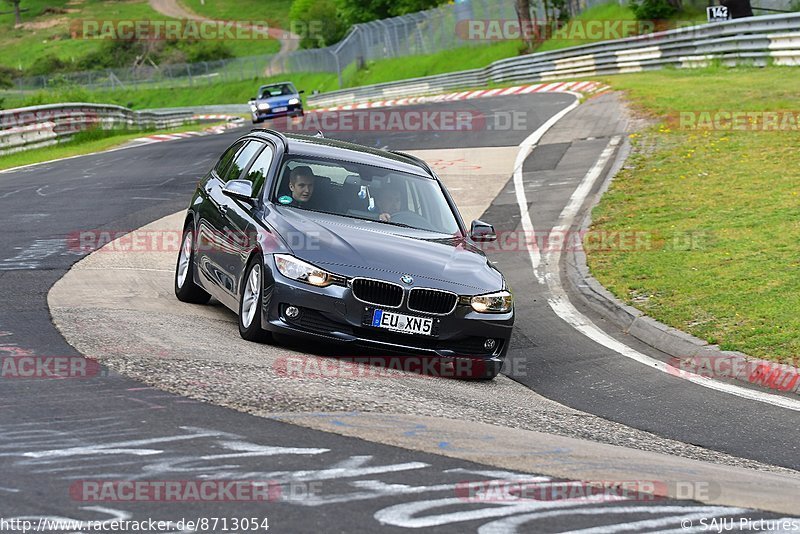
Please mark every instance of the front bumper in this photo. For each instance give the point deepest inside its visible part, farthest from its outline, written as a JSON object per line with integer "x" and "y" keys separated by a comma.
{"x": 333, "y": 314}
{"x": 291, "y": 111}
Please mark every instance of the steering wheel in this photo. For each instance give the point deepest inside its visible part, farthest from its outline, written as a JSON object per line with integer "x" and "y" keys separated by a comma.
{"x": 410, "y": 218}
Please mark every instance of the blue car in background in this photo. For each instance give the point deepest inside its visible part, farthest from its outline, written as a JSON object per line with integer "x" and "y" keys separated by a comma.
{"x": 276, "y": 100}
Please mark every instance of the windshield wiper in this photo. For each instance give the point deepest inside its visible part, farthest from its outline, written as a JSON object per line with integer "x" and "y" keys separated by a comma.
{"x": 398, "y": 224}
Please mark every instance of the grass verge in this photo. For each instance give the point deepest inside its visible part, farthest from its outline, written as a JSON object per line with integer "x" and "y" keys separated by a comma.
{"x": 85, "y": 143}
{"x": 719, "y": 211}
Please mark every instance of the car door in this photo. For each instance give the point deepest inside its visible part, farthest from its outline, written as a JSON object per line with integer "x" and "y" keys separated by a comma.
{"x": 221, "y": 235}
{"x": 208, "y": 215}
{"x": 241, "y": 215}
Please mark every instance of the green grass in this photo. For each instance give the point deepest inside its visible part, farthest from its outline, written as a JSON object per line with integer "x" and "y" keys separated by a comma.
{"x": 19, "y": 48}
{"x": 276, "y": 11}
{"x": 464, "y": 58}
{"x": 84, "y": 143}
{"x": 719, "y": 209}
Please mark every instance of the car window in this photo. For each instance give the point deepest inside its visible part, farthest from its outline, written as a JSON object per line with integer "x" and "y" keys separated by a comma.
{"x": 277, "y": 90}
{"x": 241, "y": 160}
{"x": 226, "y": 158}
{"x": 259, "y": 169}
{"x": 367, "y": 192}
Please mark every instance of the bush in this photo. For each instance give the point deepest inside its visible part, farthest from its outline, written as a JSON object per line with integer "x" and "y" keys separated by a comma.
{"x": 195, "y": 51}
{"x": 60, "y": 94}
{"x": 320, "y": 23}
{"x": 46, "y": 65}
{"x": 7, "y": 75}
{"x": 653, "y": 9}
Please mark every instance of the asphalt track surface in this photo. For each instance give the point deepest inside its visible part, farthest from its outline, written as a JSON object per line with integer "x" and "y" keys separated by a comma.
{"x": 56, "y": 433}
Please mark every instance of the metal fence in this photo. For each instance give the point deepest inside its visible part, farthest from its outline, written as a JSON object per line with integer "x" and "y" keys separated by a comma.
{"x": 424, "y": 32}
{"x": 38, "y": 126}
{"x": 758, "y": 41}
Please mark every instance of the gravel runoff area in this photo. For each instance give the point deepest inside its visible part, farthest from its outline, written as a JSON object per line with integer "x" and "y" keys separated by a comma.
{"x": 118, "y": 307}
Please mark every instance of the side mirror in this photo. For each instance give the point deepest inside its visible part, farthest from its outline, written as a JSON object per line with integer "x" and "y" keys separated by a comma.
{"x": 239, "y": 189}
{"x": 481, "y": 231}
{"x": 253, "y": 99}
{"x": 300, "y": 92}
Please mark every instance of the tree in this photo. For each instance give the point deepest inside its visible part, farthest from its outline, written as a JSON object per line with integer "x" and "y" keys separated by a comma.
{"x": 357, "y": 11}
{"x": 523, "y": 8}
{"x": 17, "y": 16}
{"x": 317, "y": 22}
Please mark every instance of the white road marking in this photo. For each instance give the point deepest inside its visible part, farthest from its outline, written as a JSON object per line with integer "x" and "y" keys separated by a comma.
{"x": 561, "y": 304}
{"x": 525, "y": 149}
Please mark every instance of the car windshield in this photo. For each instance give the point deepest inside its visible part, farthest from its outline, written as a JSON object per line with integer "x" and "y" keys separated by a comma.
{"x": 279, "y": 89}
{"x": 365, "y": 192}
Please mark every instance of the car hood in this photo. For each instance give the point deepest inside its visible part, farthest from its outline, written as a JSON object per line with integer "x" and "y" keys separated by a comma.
{"x": 354, "y": 247}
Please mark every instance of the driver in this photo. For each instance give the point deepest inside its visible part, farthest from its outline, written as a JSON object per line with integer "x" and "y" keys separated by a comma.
{"x": 301, "y": 184}
{"x": 390, "y": 201}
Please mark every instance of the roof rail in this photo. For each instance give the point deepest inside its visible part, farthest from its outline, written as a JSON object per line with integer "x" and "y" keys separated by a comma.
{"x": 277, "y": 134}
{"x": 415, "y": 159}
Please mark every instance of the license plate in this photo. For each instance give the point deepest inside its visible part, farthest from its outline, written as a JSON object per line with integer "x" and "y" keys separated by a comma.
{"x": 406, "y": 324}
{"x": 278, "y": 110}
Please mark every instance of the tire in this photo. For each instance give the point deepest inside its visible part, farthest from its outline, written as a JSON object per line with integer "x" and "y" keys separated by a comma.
{"x": 185, "y": 288}
{"x": 251, "y": 303}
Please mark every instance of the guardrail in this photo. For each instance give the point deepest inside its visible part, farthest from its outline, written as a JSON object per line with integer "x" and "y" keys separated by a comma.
{"x": 756, "y": 41}
{"x": 38, "y": 126}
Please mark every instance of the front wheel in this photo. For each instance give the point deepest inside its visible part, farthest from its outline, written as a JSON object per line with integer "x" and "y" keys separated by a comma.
{"x": 185, "y": 288}
{"x": 251, "y": 303}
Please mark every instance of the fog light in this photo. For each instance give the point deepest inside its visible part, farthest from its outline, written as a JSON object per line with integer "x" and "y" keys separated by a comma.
{"x": 489, "y": 344}
{"x": 292, "y": 312}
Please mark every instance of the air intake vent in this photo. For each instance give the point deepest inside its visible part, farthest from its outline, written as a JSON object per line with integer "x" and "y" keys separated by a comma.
{"x": 377, "y": 292}
{"x": 432, "y": 301}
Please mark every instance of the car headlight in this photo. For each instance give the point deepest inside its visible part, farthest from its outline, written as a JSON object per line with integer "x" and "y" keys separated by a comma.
{"x": 294, "y": 101}
{"x": 500, "y": 302}
{"x": 263, "y": 106}
{"x": 297, "y": 269}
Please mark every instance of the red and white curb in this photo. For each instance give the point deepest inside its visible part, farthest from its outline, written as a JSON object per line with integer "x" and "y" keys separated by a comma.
{"x": 584, "y": 88}
{"x": 233, "y": 122}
